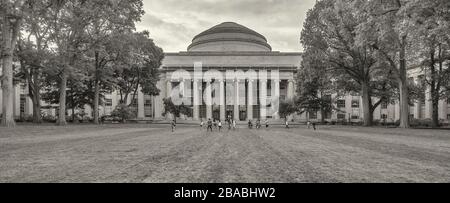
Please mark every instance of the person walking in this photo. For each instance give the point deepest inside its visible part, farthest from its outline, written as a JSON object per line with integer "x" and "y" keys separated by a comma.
{"x": 308, "y": 124}
{"x": 287, "y": 124}
{"x": 258, "y": 124}
{"x": 173, "y": 124}
{"x": 250, "y": 124}
{"x": 314, "y": 126}
{"x": 215, "y": 124}
{"x": 220, "y": 125}
{"x": 267, "y": 123}
{"x": 234, "y": 124}
{"x": 210, "y": 124}
{"x": 201, "y": 125}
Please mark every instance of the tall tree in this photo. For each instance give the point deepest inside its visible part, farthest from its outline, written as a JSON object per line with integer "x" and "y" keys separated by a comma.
{"x": 11, "y": 16}
{"x": 109, "y": 17}
{"x": 387, "y": 30}
{"x": 330, "y": 30}
{"x": 138, "y": 66}
{"x": 70, "y": 19}
{"x": 315, "y": 86}
{"x": 430, "y": 20}
{"x": 33, "y": 51}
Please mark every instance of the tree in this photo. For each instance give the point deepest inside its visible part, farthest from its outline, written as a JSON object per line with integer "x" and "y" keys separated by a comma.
{"x": 69, "y": 21}
{"x": 138, "y": 66}
{"x": 109, "y": 17}
{"x": 315, "y": 86}
{"x": 176, "y": 110}
{"x": 430, "y": 20}
{"x": 387, "y": 30}
{"x": 33, "y": 50}
{"x": 330, "y": 32}
{"x": 287, "y": 108}
{"x": 124, "y": 112}
{"x": 11, "y": 14}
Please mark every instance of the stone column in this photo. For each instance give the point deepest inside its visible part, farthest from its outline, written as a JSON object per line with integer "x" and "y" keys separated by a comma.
{"x": 263, "y": 98}
{"x": 168, "y": 95}
{"x": 250, "y": 100}
{"x": 157, "y": 101}
{"x": 141, "y": 108}
{"x": 428, "y": 104}
{"x": 290, "y": 90}
{"x": 222, "y": 102}
{"x": 417, "y": 105}
{"x": 169, "y": 88}
{"x": 208, "y": 93}
{"x": 236, "y": 100}
{"x": 277, "y": 97}
{"x": 197, "y": 101}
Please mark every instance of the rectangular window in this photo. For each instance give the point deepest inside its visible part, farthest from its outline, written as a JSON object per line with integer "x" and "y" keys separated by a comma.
{"x": 384, "y": 105}
{"x": 384, "y": 116}
{"x": 341, "y": 116}
{"x": 354, "y": 117}
{"x": 341, "y": 104}
{"x": 108, "y": 102}
{"x": 355, "y": 104}
{"x": 148, "y": 102}
{"x": 448, "y": 116}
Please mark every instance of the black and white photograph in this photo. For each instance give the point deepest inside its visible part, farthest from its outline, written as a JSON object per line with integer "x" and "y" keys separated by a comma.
{"x": 225, "y": 92}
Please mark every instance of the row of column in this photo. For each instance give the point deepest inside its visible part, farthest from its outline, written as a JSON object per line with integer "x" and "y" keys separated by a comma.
{"x": 197, "y": 85}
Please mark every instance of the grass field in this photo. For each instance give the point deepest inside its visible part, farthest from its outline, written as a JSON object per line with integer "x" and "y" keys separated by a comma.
{"x": 153, "y": 154}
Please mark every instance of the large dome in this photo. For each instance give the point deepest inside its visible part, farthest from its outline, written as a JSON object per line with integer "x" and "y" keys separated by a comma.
{"x": 229, "y": 37}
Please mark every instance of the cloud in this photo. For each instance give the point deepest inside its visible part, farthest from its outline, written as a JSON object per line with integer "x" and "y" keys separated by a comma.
{"x": 173, "y": 23}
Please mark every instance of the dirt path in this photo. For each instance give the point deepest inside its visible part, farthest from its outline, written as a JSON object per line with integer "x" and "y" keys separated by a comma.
{"x": 143, "y": 154}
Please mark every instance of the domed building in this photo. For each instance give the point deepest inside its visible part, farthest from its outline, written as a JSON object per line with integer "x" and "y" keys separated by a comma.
{"x": 229, "y": 72}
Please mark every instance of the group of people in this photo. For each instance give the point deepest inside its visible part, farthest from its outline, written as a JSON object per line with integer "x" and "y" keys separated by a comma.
{"x": 232, "y": 124}
{"x": 258, "y": 124}
{"x": 218, "y": 125}
{"x": 210, "y": 123}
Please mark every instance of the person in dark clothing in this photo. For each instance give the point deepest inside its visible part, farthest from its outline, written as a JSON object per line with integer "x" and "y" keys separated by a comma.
{"x": 173, "y": 124}
{"x": 314, "y": 126}
{"x": 210, "y": 124}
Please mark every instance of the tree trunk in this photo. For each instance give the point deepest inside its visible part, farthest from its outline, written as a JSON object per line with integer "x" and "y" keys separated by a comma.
{"x": 403, "y": 85}
{"x": 36, "y": 109}
{"x": 7, "y": 82}
{"x": 366, "y": 104}
{"x": 322, "y": 114}
{"x": 434, "y": 89}
{"x": 62, "y": 100}
{"x": 435, "y": 114}
{"x": 96, "y": 102}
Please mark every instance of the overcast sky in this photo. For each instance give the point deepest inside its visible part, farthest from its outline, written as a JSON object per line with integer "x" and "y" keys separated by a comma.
{"x": 173, "y": 23}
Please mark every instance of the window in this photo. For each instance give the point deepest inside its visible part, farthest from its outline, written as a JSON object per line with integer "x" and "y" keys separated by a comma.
{"x": 134, "y": 102}
{"x": 354, "y": 117}
{"x": 148, "y": 108}
{"x": 341, "y": 116}
{"x": 384, "y": 105}
{"x": 355, "y": 104}
{"x": 108, "y": 102}
{"x": 448, "y": 116}
{"x": 148, "y": 102}
{"x": 341, "y": 104}
{"x": 384, "y": 116}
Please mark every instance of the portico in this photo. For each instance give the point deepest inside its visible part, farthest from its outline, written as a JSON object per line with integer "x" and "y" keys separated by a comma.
{"x": 229, "y": 71}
